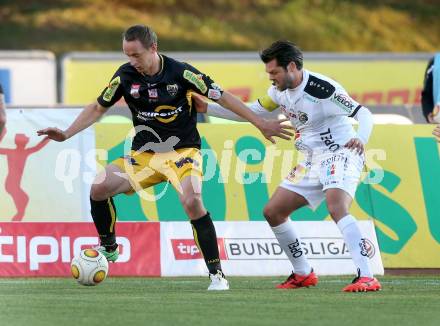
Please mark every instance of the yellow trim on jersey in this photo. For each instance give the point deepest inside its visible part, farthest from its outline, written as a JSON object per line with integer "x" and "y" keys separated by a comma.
{"x": 113, "y": 215}
{"x": 189, "y": 99}
{"x": 161, "y": 64}
{"x": 267, "y": 103}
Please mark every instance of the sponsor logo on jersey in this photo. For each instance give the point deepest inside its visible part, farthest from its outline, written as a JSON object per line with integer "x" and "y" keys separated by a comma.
{"x": 344, "y": 102}
{"x": 111, "y": 89}
{"x": 367, "y": 248}
{"x": 163, "y": 113}
{"x": 152, "y": 93}
{"x": 287, "y": 113}
{"x": 134, "y": 91}
{"x": 196, "y": 80}
{"x": 214, "y": 94}
{"x": 172, "y": 89}
{"x": 327, "y": 138}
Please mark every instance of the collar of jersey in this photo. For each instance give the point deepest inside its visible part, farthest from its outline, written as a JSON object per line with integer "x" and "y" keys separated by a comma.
{"x": 303, "y": 83}
{"x": 159, "y": 72}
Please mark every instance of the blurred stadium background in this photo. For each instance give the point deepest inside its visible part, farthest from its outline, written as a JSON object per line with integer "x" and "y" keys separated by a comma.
{"x": 56, "y": 56}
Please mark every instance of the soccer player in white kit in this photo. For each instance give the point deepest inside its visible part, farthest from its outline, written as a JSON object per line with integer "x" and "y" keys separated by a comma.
{"x": 319, "y": 110}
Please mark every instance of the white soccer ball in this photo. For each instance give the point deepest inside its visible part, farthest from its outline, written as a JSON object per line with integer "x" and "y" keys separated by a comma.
{"x": 90, "y": 267}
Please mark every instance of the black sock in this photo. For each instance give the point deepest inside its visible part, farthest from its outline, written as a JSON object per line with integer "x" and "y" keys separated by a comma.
{"x": 206, "y": 240}
{"x": 104, "y": 217}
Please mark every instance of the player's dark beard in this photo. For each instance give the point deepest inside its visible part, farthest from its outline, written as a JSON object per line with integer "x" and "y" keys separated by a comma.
{"x": 288, "y": 82}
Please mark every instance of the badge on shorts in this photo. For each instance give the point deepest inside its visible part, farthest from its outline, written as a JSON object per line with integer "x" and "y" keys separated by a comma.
{"x": 331, "y": 170}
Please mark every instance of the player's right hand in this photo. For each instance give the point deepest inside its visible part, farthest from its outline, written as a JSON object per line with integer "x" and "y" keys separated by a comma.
{"x": 53, "y": 133}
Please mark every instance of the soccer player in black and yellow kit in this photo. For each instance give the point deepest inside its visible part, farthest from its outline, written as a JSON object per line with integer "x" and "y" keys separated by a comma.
{"x": 166, "y": 147}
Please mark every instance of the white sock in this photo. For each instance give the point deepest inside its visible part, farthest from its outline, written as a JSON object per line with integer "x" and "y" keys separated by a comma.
{"x": 353, "y": 238}
{"x": 291, "y": 245}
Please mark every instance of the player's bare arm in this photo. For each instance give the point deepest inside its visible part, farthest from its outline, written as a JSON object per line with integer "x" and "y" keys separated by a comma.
{"x": 269, "y": 128}
{"x": 91, "y": 113}
{"x": 2, "y": 113}
{"x": 215, "y": 110}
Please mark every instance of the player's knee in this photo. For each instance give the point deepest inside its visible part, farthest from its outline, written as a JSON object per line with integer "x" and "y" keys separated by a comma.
{"x": 99, "y": 192}
{"x": 337, "y": 210}
{"x": 192, "y": 202}
{"x": 271, "y": 215}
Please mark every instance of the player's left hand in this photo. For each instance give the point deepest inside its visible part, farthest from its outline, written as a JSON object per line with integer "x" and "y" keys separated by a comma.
{"x": 275, "y": 128}
{"x": 436, "y": 132}
{"x": 356, "y": 145}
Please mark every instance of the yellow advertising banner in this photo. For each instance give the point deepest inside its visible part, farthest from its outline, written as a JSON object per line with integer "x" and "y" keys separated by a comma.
{"x": 399, "y": 189}
{"x": 370, "y": 82}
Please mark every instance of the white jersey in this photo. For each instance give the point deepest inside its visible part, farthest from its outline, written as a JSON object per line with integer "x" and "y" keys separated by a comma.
{"x": 319, "y": 109}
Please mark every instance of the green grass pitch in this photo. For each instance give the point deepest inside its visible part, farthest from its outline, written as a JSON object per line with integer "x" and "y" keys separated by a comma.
{"x": 405, "y": 300}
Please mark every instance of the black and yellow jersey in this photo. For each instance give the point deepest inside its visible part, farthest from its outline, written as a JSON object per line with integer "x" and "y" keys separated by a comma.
{"x": 161, "y": 104}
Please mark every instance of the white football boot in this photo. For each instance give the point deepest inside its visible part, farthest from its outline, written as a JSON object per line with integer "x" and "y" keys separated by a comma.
{"x": 218, "y": 282}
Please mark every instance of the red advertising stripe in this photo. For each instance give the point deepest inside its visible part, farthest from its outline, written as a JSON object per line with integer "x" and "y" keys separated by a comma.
{"x": 46, "y": 249}
{"x": 186, "y": 249}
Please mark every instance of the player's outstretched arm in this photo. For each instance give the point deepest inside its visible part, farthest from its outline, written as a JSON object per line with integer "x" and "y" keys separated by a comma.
{"x": 216, "y": 110}
{"x": 269, "y": 128}
{"x": 91, "y": 113}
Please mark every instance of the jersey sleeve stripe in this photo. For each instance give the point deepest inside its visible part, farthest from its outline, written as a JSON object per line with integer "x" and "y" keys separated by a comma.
{"x": 355, "y": 111}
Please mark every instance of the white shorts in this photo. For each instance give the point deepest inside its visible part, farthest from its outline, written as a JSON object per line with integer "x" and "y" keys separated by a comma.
{"x": 311, "y": 178}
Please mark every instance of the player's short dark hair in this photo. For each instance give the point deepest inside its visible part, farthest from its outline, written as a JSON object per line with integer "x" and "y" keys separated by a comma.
{"x": 284, "y": 52}
{"x": 142, "y": 33}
